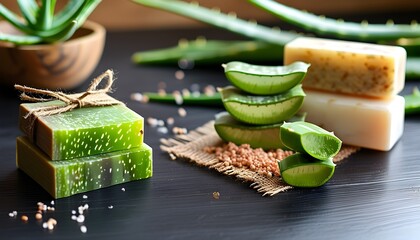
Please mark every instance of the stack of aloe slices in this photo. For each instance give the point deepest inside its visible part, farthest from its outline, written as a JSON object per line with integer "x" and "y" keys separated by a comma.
{"x": 260, "y": 100}
{"x": 262, "y": 111}
{"x": 312, "y": 165}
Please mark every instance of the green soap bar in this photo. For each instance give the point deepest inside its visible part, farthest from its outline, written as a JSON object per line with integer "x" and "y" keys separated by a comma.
{"x": 83, "y": 131}
{"x": 68, "y": 177}
{"x": 257, "y": 136}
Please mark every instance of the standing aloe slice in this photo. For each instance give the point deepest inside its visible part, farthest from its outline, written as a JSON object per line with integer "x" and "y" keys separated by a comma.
{"x": 302, "y": 170}
{"x": 412, "y": 102}
{"x": 257, "y": 136}
{"x": 262, "y": 109}
{"x": 308, "y": 138}
{"x": 265, "y": 80}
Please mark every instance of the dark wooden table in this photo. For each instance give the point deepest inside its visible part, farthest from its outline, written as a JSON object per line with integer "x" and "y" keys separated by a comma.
{"x": 373, "y": 195}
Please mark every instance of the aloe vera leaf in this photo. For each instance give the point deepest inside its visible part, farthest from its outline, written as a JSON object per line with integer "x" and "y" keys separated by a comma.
{"x": 412, "y": 102}
{"x": 311, "y": 139}
{"x": 340, "y": 29}
{"x": 412, "y": 68}
{"x": 20, "y": 40}
{"x": 201, "y": 99}
{"x": 69, "y": 12}
{"x": 64, "y": 34}
{"x": 411, "y": 45}
{"x": 68, "y": 26}
{"x": 13, "y": 19}
{"x": 212, "y": 52}
{"x": 229, "y": 23}
{"x": 29, "y": 10}
{"x": 257, "y": 136}
{"x": 260, "y": 110}
{"x": 86, "y": 11}
{"x": 45, "y": 15}
{"x": 301, "y": 170}
{"x": 218, "y": 52}
{"x": 265, "y": 80}
{"x": 221, "y": 20}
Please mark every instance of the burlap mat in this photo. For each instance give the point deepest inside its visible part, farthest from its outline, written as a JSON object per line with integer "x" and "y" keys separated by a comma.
{"x": 191, "y": 147}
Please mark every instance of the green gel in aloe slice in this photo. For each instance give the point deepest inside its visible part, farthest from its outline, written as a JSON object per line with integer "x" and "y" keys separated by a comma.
{"x": 309, "y": 138}
{"x": 257, "y": 136}
{"x": 302, "y": 170}
{"x": 259, "y": 110}
{"x": 265, "y": 80}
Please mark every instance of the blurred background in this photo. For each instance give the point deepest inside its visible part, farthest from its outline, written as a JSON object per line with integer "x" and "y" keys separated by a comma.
{"x": 125, "y": 15}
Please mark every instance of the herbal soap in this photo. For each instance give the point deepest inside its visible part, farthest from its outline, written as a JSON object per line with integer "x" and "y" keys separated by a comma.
{"x": 362, "y": 69}
{"x": 370, "y": 123}
{"x": 68, "y": 177}
{"x": 83, "y": 131}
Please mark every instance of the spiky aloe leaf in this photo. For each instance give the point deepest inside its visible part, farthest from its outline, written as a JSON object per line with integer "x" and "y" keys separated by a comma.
{"x": 221, "y": 20}
{"x": 345, "y": 30}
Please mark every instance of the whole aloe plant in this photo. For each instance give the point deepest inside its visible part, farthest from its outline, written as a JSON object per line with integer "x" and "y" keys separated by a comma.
{"x": 40, "y": 23}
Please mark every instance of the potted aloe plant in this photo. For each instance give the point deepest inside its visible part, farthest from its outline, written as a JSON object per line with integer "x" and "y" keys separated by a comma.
{"x": 43, "y": 47}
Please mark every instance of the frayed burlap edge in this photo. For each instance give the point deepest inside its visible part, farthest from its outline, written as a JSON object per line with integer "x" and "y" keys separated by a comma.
{"x": 191, "y": 147}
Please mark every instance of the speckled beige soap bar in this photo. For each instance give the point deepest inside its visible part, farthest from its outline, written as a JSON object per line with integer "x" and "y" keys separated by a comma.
{"x": 361, "y": 69}
{"x": 83, "y": 131}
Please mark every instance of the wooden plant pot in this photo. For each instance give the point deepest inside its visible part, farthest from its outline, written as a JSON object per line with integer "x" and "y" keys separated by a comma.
{"x": 52, "y": 66}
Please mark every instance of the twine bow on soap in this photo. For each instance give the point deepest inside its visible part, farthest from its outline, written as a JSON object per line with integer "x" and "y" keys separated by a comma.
{"x": 92, "y": 97}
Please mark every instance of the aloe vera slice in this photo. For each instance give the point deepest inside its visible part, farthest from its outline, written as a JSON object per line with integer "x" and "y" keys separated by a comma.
{"x": 265, "y": 80}
{"x": 309, "y": 138}
{"x": 302, "y": 170}
{"x": 257, "y": 136}
{"x": 260, "y": 110}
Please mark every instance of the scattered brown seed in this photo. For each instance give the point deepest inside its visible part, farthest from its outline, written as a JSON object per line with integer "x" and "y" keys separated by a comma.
{"x": 179, "y": 130}
{"x": 145, "y": 99}
{"x": 170, "y": 121}
{"x": 257, "y": 160}
{"x": 179, "y": 75}
{"x": 209, "y": 90}
{"x": 38, "y": 216}
{"x": 178, "y": 97}
{"x": 24, "y": 218}
{"x": 182, "y": 112}
{"x": 162, "y": 92}
{"x": 186, "y": 92}
{"x": 216, "y": 195}
{"x": 52, "y": 221}
{"x": 152, "y": 121}
{"x": 138, "y": 97}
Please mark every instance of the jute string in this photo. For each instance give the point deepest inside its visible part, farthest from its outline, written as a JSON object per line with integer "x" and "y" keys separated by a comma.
{"x": 92, "y": 97}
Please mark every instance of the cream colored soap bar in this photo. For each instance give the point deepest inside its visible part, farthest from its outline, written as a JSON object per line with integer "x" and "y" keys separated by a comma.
{"x": 362, "y": 69}
{"x": 370, "y": 123}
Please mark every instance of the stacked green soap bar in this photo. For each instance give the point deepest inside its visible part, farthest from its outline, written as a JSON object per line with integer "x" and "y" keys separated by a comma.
{"x": 68, "y": 177}
{"x": 83, "y": 131}
{"x": 83, "y": 149}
